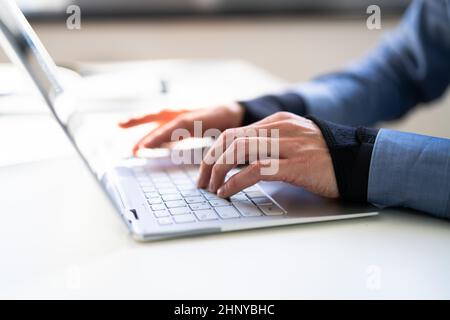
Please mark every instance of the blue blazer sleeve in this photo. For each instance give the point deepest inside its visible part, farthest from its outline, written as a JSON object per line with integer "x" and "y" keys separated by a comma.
{"x": 410, "y": 170}
{"x": 410, "y": 66}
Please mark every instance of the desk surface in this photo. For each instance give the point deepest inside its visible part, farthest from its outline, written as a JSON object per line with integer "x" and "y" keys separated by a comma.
{"x": 60, "y": 241}
{"x": 61, "y": 238}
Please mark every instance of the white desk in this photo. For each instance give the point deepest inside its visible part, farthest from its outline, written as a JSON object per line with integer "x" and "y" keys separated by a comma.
{"x": 61, "y": 238}
{"x": 58, "y": 240}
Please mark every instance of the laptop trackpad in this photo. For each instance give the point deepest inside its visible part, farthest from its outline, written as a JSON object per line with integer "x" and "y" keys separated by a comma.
{"x": 301, "y": 203}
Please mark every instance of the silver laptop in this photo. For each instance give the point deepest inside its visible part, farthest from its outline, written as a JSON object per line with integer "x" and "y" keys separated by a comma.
{"x": 155, "y": 198}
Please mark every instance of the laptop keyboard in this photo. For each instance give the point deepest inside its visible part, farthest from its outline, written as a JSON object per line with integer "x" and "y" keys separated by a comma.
{"x": 173, "y": 198}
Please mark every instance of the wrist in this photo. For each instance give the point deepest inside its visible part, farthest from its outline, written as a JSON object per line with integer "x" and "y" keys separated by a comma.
{"x": 351, "y": 151}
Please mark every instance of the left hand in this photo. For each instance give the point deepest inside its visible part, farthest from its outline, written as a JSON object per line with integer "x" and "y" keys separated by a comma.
{"x": 303, "y": 160}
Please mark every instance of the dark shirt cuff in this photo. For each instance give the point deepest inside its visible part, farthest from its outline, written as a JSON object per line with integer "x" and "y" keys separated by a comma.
{"x": 259, "y": 108}
{"x": 351, "y": 152}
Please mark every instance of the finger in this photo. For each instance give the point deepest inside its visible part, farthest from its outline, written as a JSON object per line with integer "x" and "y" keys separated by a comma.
{"x": 253, "y": 174}
{"x": 224, "y": 141}
{"x": 216, "y": 150}
{"x": 162, "y": 116}
{"x": 241, "y": 151}
{"x": 161, "y": 134}
{"x": 277, "y": 116}
{"x": 138, "y": 145}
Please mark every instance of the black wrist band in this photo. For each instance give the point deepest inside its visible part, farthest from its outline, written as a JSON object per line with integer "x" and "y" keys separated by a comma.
{"x": 259, "y": 108}
{"x": 351, "y": 151}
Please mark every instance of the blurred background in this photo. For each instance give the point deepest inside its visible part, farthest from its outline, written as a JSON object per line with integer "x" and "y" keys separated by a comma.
{"x": 205, "y": 7}
{"x": 294, "y": 40}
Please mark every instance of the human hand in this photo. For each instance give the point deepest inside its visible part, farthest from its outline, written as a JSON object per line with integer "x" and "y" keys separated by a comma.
{"x": 220, "y": 117}
{"x": 304, "y": 159}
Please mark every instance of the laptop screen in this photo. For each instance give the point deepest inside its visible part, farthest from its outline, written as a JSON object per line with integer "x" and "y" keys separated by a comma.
{"x": 23, "y": 46}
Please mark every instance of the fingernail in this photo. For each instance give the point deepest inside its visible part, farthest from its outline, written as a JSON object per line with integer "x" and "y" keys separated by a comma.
{"x": 221, "y": 192}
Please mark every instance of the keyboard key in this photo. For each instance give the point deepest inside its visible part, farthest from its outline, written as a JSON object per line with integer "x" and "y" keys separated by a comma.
{"x": 185, "y": 218}
{"x": 262, "y": 200}
{"x": 165, "y": 185}
{"x": 192, "y": 170}
{"x": 193, "y": 173}
{"x": 211, "y": 196}
{"x": 186, "y": 186}
{"x": 156, "y": 175}
{"x": 161, "y": 213}
{"x": 255, "y": 194}
{"x": 271, "y": 210}
{"x": 180, "y": 210}
{"x": 205, "y": 215}
{"x": 151, "y": 194}
{"x": 175, "y": 204}
{"x": 227, "y": 212}
{"x": 148, "y": 189}
{"x": 181, "y": 177}
{"x": 194, "y": 176}
{"x": 139, "y": 174}
{"x": 165, "y": 221}
{"x": 199, "y": 206}
{"x": 145, "y": 184}
{"x": 239, "y": 197}
{"x": 219, "y": 202}
{"x": 171, "y": 197}
{"x": 175, "y": 172}
{"x": 181, "y": 180}
{"x": 156, "y": 200}
{"x": 164, "y": 191}
{"x": 247, "y": 209}
{"x": 156, "y": 207}
{"x": 161, "y": 179}
{"x": 194, "y": 199}
{"x": 190, "y": 193}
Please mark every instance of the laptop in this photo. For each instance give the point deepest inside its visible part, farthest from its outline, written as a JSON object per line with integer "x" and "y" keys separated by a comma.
{"x": 155, "y": 198}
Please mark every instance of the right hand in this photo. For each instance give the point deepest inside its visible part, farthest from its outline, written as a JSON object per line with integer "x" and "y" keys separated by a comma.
{"x": 220, "y": 117}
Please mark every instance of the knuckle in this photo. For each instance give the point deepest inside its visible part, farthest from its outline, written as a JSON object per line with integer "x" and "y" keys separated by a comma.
{"x": 290, "y": 123}
{"x": 229, "y": 133}
{"x": 282, "y": 115}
